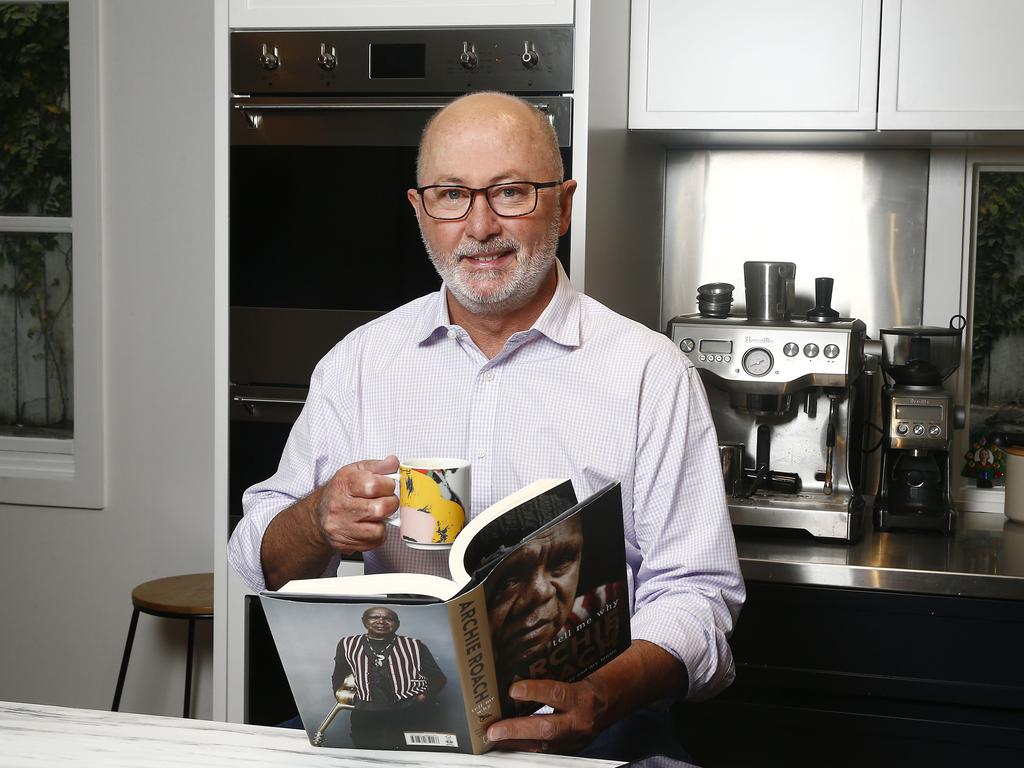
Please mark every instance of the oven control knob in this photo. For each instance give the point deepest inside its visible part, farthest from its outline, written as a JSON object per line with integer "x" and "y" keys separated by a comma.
{"x": 687, "y": 345}
{"x": 269, "y": 58}
{"x": 468, "y": 58}
{"x": 328, "y": 58}
{"x": 530, "y": 57}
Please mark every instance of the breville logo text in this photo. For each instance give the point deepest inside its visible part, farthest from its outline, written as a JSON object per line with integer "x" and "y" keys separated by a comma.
{"x": 757, "y": 339}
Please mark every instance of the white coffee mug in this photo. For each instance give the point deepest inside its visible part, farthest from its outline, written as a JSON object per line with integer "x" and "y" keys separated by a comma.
{"x": 434, "y": 497}
{"x": 1013, "y": 500}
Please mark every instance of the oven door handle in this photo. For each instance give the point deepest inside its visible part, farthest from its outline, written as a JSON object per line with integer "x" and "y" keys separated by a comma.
{"x": 250, "y": 403}
{"x": 364, "y": 107}
{"x": 245, "y": 400}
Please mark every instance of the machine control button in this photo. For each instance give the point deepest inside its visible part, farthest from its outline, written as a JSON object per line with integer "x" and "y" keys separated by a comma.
{"x": 687, "y": 345}
{"x": 790, "y": 350}
{"x": 702, "y": 358}
{"x": 902, "y": 429}
{"x": 831, "y": 351}
{"x": 758, "y": 362}
{"x": 934, "y": 430}
{"x": 810, "y": 350}
{"x": 919, "y": 429}
{"x": 728, "y": 358}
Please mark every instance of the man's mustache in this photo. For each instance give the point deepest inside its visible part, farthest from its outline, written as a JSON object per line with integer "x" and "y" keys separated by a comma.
{"x": 467, "y": 250}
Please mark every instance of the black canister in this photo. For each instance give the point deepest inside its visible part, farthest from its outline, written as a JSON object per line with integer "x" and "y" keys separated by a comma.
{"x": 715, "y": 299}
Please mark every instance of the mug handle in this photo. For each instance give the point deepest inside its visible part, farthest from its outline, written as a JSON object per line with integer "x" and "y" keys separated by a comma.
{"x": 395, "y": 518}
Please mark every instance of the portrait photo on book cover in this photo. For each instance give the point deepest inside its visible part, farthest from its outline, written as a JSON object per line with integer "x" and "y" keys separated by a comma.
{"x": 557, "y": 607}
{"x": 393, "y": 680}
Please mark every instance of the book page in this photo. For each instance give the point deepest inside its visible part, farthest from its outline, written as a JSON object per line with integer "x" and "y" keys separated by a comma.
{"x": 507, "y": 522}
{"x": 374, "y": 585}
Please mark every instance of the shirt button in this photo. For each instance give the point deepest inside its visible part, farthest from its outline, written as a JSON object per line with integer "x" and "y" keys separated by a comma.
{"x": 452, "y": 334}
{"x": 488, "y": 375}
{"x": 481, "y": 454}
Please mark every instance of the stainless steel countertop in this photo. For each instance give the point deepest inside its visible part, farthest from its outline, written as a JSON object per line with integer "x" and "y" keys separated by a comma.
{"x": 983, "y": 558}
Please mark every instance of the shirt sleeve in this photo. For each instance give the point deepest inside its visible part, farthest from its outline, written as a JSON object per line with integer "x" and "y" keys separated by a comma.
{"x": 430, "y": 669}
{"x": 306, "y": 463}
{"x": 342, "y": 668}
{"x": 688, "y": 586}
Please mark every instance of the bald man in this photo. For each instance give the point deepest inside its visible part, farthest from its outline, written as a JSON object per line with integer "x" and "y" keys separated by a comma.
{"x": 509, "y": 366}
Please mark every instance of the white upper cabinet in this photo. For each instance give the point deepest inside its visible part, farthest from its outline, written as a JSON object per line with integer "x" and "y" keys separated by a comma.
{"x": 952, "y": 65}
{"x": 754, "y": 64}
{"x": 284, "y": 14}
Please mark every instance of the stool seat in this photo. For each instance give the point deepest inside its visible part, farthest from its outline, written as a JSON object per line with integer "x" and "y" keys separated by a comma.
{"x": 176, "y": 596}
{"x": 189, "y": 597}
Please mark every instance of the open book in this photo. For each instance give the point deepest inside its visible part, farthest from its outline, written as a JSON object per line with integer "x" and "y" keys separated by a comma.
{"x": 407, "y": 661}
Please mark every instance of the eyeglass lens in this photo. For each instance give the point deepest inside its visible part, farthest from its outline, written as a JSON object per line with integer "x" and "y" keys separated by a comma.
{"x": 504, "y": 199}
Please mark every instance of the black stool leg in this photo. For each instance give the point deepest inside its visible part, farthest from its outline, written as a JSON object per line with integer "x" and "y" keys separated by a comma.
{"x": 124, "y": 660}
{"x": 188, "y": 666}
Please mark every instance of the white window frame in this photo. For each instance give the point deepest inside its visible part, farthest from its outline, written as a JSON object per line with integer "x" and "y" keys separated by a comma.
{"x": 949, "y": 280}
{"x": 54, "y": 472}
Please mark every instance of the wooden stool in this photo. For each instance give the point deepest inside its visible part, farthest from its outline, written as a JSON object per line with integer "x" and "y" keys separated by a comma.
{"x": 175, "y": 597}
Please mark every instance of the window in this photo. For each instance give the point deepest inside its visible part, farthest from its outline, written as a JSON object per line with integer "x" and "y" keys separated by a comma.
{"x": 995, "y": 345}
{"x": 50, "y": 364}
{"x": 975, "y": 267}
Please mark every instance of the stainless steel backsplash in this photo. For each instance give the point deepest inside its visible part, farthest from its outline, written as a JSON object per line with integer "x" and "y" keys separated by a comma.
{"x": 857, "y": 216}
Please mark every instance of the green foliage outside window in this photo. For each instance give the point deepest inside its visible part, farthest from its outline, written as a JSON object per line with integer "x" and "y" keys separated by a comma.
{"x": 998, "y": 272}
{"x": 35, "y": 180}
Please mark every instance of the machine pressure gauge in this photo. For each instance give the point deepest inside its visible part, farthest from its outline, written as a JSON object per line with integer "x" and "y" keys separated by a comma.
{"x": 758, "y": 361}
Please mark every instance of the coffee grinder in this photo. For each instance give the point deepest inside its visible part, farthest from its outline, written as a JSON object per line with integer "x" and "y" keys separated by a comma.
{"x": 919, "y": 419}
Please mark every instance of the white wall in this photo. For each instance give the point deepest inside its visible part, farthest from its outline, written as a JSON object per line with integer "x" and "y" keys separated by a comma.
{"x": 68, "y": 573}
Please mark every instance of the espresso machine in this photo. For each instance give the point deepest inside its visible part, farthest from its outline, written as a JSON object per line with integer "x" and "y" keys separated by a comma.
{"x": 788, "y": 395}
{"x": 919, "y": 419}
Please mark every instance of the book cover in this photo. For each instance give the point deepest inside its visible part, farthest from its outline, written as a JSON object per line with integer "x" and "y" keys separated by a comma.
{"x": 407, "y": 661}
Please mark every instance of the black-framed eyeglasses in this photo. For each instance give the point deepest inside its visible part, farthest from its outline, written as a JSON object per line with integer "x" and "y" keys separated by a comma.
{"x": 508, "y": 199}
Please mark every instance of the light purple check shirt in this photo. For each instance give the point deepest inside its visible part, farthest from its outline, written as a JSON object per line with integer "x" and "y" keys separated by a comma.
{"x": 585, "y": 394}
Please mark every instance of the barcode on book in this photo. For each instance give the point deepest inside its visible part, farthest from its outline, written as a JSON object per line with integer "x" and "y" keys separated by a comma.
{"x": 431, "y": 740}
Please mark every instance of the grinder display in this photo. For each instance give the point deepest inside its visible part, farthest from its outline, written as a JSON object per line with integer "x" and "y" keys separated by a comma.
{"x": 792, "y": 392}
{"x": 919, "y": 419}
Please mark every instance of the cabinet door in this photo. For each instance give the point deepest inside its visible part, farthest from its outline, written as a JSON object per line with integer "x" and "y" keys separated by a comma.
{"x": 286, "y": 14}
{"x": 751, "y": 64}
{"x": 952, "y": 65}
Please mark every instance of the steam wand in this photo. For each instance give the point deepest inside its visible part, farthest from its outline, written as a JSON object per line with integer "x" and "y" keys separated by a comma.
{"x": 830, "y": 442}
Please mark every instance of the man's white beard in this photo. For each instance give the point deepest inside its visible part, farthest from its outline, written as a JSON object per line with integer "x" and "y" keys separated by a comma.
{"x": 522, "y": 280}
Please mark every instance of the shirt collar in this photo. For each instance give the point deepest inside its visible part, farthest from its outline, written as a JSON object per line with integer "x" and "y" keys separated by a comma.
{"x": 560, "y": 320}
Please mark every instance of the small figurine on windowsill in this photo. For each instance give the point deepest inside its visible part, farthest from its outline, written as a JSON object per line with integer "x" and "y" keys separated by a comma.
{"x": 985, "y": 462}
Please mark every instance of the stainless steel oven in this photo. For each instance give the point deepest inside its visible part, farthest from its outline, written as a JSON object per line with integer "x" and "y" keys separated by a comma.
{"x": 324, "y": 129}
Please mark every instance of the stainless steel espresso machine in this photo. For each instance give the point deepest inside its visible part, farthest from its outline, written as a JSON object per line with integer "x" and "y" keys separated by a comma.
{"x": 787, "y": 394}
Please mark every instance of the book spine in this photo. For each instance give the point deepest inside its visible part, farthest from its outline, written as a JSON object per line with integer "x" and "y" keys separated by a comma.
{"x": 475, "y": 657}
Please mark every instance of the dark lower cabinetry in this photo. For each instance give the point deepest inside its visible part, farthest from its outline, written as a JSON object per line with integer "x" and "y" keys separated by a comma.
{"x": 844, "y": 677}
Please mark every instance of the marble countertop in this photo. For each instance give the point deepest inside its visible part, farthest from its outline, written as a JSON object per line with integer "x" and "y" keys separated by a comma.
{"x": 36, "y": 735}
{"x": 983, "y": 558}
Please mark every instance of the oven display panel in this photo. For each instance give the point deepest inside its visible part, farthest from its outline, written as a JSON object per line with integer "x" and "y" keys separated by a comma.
{"x": 398, "y": 60}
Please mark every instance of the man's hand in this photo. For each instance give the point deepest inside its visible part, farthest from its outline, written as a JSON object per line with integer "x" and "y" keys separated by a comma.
{"x": 352, "y": 508}
{"x": 641, "y": 674}
{"x": 581, "y": 712}
{"x": 347, "y": 514}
